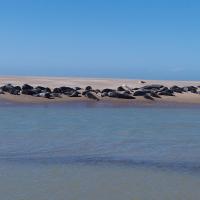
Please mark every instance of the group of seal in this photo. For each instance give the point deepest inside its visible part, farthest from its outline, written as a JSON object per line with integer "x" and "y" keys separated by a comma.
{"x": 123, "y": 92}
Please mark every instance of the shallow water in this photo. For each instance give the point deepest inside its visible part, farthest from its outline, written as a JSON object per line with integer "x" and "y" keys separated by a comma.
{"x": 99, "y": 152}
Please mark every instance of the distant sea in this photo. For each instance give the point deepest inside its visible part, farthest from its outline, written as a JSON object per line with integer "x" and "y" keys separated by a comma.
{"x": 87, "y": 152}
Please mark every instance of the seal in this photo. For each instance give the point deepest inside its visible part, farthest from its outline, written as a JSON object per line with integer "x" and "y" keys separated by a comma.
{"x": 74, "y": 94}
{"x": 146, "y": 96}
{"x": 121, "y": 95}
{"x": 91, "y": 95}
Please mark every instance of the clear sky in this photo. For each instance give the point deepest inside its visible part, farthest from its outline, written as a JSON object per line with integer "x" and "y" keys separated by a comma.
{"x": 146, "y": 39}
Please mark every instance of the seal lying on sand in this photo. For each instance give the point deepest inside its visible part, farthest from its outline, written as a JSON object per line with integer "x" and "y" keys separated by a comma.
{"x": 75, "y": 94}
{"x": 91, "y": 95}
{"x": 147, "y": 96}
{"x": 44, "y": 94}
{"x": 121, "y": 95}
{"x": 15, "y": 90}
{"x": 122, "y": 92}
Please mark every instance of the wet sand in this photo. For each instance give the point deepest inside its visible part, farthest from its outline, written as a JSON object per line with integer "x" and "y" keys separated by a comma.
{"x": 97, "y": 83}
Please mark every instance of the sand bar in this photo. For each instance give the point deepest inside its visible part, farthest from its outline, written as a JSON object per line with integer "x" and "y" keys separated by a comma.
{"x": 96, "y": 83}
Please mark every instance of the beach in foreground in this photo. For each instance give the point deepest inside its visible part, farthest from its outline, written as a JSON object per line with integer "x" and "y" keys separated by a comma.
{"x": 100, "y": 84}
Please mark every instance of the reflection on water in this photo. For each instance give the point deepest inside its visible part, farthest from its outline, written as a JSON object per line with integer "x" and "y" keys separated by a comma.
{"x": 88, "y": 152}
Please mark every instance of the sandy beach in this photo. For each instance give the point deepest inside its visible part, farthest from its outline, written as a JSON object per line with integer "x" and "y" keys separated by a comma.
{"x": 96, "y": 83}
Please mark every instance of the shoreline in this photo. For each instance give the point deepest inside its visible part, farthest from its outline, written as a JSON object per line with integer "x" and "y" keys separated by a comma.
{"x": 97, "y": 83}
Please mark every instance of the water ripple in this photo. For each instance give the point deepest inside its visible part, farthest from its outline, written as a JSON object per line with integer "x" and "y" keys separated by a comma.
{"x": 117, "y": 161}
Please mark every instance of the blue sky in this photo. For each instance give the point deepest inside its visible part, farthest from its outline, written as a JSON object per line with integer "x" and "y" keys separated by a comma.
{"x": 145, "y": 39}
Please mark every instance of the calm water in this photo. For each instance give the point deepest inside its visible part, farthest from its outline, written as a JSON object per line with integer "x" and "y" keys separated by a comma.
{"x": 95, "y": 152}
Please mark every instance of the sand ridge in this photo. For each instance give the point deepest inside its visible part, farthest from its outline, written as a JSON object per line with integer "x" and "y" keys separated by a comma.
{"x": 96, "y": 83}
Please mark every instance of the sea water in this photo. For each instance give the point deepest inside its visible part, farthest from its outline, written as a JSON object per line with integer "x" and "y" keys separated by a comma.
{"x": 85, "y": 151}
